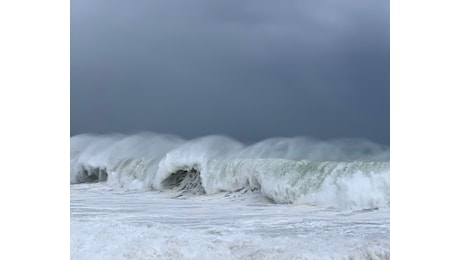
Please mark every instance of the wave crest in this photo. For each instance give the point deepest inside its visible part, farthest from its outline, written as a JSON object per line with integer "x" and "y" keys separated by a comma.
{"x": 341, "y": 174}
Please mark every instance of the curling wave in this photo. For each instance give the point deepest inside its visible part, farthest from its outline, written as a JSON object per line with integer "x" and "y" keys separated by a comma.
{"x": 345, "y": 174}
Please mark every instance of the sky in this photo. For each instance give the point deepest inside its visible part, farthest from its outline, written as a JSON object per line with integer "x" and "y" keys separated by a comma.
{"x": 250, "y": 70}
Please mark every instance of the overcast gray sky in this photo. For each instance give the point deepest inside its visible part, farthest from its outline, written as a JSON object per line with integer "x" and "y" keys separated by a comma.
{"x": 247, "y": 69}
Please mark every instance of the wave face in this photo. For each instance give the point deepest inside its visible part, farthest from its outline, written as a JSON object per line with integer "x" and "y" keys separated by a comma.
{"x": 344, "y": 174}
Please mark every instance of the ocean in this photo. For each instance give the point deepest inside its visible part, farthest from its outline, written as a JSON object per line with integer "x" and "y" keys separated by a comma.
{"x": 156, "y": 196}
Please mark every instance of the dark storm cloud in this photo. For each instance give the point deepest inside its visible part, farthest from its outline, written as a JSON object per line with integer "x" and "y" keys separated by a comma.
{"x": 248, "y": 69}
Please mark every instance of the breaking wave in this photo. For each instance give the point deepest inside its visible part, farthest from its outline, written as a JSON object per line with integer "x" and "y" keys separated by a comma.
{"x": 344, "y": 174}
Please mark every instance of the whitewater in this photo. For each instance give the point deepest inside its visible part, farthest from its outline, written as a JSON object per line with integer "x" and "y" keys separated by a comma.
{"x": 157, "y": 196}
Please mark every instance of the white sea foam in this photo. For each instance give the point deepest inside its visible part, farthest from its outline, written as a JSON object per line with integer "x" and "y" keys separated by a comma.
{"x": 111, "y": 224}
{"x": 114, "y": 240}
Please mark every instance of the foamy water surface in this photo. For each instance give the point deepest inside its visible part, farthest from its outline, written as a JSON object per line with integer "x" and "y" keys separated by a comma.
{"x": 112, "y": 223}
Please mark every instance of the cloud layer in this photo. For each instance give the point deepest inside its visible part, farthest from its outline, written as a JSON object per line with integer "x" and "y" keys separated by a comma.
{"x": 248, "y": 69}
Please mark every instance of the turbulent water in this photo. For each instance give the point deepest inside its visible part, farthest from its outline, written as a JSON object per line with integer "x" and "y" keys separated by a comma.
{"x": 152, "y": 196}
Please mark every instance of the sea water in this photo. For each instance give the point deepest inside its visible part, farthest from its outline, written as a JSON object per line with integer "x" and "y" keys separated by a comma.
{"x": 151, "y": 196}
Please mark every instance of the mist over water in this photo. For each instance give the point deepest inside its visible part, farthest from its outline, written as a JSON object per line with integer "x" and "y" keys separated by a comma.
{"x": 148, "y": 144}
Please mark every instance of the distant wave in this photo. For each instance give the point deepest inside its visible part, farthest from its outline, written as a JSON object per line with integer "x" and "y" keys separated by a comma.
{"x": 345, "y": 174}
